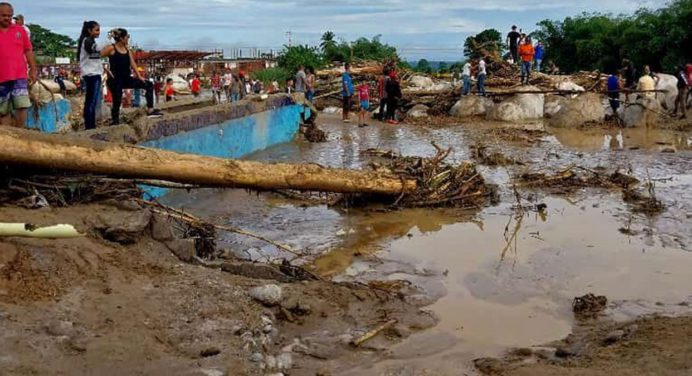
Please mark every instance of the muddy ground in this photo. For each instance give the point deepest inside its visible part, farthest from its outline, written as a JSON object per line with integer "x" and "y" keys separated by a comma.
{"x": 461, "y": 284}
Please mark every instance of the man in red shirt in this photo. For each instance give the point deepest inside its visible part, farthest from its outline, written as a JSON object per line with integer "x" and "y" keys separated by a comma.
{"x": 15, "y": 53}
{"x": 195, "y": 85}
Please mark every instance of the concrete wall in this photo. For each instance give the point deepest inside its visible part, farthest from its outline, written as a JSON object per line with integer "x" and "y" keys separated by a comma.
{"x": 50, "y": 117}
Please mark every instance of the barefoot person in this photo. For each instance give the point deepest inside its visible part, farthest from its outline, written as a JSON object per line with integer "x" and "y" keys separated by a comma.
{"x": 91, "y": 68}
{"x": 16, "y": 53}
{"x": 122, "y": 65}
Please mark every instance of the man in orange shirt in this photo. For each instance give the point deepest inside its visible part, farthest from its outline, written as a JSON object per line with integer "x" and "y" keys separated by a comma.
{"x": 526, "y": 53}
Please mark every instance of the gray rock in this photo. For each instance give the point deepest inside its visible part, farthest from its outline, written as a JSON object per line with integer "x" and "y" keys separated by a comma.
{"x": 123, "y": 229}
{"x": 256, "y": 357}
{"x": 60, "y": 328}
{"x": 269, "y": 295}
{"x": 418, "y": 111}
{"x": 284, "y": 361}
{"x": 184, "y": 249}
{"x": 614, "y": 336}
{"x": 471, "y": 105}
{"x": 519, "y": 107}
{"x": 161, "y": 229}
{"x": 570, "y": 350}
{"x": 575, "y": 112}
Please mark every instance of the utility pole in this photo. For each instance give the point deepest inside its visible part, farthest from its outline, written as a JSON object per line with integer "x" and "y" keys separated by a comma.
{"x": 290, "y": 38}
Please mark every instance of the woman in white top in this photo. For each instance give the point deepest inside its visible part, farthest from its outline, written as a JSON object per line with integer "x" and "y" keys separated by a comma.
{"x": 91, "y": 70}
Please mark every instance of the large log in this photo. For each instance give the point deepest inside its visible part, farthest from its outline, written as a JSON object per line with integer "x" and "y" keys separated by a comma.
{"x": 77, "y": 154}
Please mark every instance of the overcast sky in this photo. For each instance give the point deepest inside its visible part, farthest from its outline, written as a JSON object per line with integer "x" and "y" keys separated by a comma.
{"x": 434, "y": 29}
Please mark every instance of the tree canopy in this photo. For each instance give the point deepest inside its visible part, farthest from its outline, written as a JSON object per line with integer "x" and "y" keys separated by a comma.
{"x": 50, "y": 44}
{"x": 487, "y": 42}
{"x": 659, "y": 38}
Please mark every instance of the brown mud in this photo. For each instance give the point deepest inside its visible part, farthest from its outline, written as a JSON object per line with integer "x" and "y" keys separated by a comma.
{"x": 446, "y": 286}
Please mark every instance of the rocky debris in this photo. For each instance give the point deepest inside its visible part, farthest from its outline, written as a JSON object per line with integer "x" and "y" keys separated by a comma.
{"x": 257, "y": 271}
{"x": 418, "y": 111}
{"x": 643, "y": 202}
{"x": 471, "y": 105}
{"x": 489, "y": 366}
{"x": 210, "y": 351}
{"x": 569, "y": 86}
{"x": 614, "y": 336}
{"x": 670, "y": 84}
{"x": 184, "y": 249}
{"x": 269, "y": 295}
{"x": 314, "y": 134}
{"x": 421, "y": 82}
{"x": 481, "y": 153}
{"x": 589, "y": 305}
{"x": 553, "y": 105}
{"x": 580, "y": 110}
{"x": 161, "y": 229}
{"x": 642, "y": 111}
{"x": 60, "y": 328}
{"x": 123, "y": 229}
{"x": 520, "y": 107}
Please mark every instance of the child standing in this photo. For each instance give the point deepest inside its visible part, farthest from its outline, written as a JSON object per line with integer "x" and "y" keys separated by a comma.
{"x": 364, "y": 100}
{"x": 168, "y": 90}
{"x": 216, "y": 87}
{"x": 196, "y": 86}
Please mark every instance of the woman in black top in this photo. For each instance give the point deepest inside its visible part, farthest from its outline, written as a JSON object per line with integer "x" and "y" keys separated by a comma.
{"x": 122, "y": 64}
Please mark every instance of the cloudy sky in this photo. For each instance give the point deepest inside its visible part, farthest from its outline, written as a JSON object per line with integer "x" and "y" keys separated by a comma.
{"x": 434, "y": 29}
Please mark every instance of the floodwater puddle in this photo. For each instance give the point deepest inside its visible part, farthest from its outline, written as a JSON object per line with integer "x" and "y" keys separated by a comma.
{"x": 490, "y": 300}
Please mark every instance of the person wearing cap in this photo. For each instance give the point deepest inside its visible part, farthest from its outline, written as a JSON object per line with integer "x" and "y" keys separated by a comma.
{"x": 16, "y": 52}
{"x": 19, "y": 20}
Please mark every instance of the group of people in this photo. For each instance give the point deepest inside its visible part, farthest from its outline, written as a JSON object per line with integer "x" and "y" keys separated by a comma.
{"x": 523, "y": 52}
{"x": 626, "y": 80}
{"x": 388, "y": 91}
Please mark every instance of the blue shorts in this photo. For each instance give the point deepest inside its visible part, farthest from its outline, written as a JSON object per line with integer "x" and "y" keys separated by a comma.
{"x": 14, "y": 95}
{"x": 364, "y": 105}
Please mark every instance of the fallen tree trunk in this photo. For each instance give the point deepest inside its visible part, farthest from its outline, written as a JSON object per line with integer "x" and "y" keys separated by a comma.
{"x": 22, "y": 146}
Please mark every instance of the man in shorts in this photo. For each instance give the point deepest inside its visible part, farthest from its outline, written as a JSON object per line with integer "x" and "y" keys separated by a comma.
{"x": 15, "y": 53}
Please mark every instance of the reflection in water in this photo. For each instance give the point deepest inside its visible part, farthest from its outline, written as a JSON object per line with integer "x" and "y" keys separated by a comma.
{"x": 617, "y": 139}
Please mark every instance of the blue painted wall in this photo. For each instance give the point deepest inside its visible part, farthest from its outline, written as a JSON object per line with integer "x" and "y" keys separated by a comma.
{"x": 234, "y": 138}
{"x": 51, "y": 116}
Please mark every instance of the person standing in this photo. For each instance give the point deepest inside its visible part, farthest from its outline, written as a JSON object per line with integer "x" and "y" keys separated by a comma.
{"x": 628, "y": 73}
{"x": 539, "y": 54}
{"x": 466, "y": 77}
{"x": 16, "y": 52}
{"x": 168, "y": 90}
{"x": 227, "y": 81}
{"x": 482, "y": 74}
{"x": 382, "y": 93}
{"x": 681, "y": 99}
{"x": 527, "y": 53}
{"x": 363, "y": 103}
{"x": 122, "y": 65}
{"x": 346, "y": 92}
{"x": 614, "y": 86}
{"x": 91, "y": 68}
{"x": 195, "y": 85}
{"x": 513, "y": 43}
{"x": 393, "y": 94}
{"x": 216, "y": 87}
{"x": 19, "y": 20}
{"x": 647, "y": 84}
{"x": 300, "y": 80}
{"x": 310, "y": 84}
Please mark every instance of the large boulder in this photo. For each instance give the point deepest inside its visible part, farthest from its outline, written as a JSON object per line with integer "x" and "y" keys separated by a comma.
{"x": 519, "y": 107}
{"x": 422, "y": 82}
{"x": 574, "y": 112}
{"x": 553, "y": 104}
{"x": 669, "y": 83}
{"x": 471, "y": 105}
{"x": 418, "y": 111}
{"x": 642, "y": 112}
{"x": 570, "y": 86}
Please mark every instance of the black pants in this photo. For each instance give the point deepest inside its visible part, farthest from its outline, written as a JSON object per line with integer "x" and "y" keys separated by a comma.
{"x": 392, "y": 104}
{"x": 118, "y": 84}
{"x": 514, "y": 51}
{"x": 383, "y": 106}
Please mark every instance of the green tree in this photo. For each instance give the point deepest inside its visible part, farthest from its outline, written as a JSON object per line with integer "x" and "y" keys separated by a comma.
{"x": 487, "y": 42}
{"x": 442, "y": 67}
{"x": 423, "y": 66}
{"x": 293, "y": 57}
{"x": 50, "y": 44}
{"x": 328, "y": 42}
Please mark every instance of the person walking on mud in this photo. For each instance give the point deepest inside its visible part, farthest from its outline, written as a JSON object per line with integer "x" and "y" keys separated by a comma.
{"x": 122, "y": 65}
{"x": 527, "y": 53}
{"x": 91, "y": 68}
{"x": 346, "y": 92}
{"x": 16, "y": 52}
{"x": 614, "y": 87}
{"x": 513, "y": 43}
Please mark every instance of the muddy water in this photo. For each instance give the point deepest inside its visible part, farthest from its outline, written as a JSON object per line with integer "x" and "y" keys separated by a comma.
{"x": 488, "y": 294}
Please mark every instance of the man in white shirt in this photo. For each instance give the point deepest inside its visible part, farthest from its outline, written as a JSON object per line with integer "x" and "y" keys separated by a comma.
{"x": 466, "y": 77}
{"x": 19, "y": 20}
{"x": 481, "y": 77}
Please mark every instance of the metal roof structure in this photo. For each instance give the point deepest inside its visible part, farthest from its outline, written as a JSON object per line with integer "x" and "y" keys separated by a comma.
{"x": 170, "y": 55}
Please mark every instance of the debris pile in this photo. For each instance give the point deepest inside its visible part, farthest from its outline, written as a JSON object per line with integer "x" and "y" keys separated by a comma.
{"x": 481, "y": 153}
{"x": 575, "y": 177}
{"x": 439, "y": 183}
{"x": 588, "y": 306}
